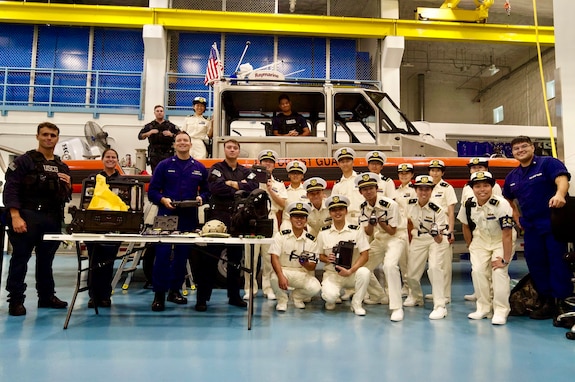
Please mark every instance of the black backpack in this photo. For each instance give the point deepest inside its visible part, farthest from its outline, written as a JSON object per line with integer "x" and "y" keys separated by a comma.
{"x": 249, "y": 208}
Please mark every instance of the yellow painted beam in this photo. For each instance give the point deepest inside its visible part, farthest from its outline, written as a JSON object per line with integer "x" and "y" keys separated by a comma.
{"x": 257, "y": 23}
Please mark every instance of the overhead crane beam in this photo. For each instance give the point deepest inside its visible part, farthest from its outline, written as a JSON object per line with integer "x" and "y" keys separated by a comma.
{"x": 279, "y": 24}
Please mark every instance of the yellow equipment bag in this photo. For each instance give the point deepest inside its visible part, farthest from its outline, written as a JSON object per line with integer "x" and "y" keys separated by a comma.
{"x": 104, "y": 199}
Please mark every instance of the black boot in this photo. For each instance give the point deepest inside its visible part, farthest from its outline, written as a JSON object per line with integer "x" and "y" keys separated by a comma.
{"x": 159, "y": 303}
{"x": 546, "y": 310}
{"x": 176, "y": 297}
{"x": 16, "y": 308}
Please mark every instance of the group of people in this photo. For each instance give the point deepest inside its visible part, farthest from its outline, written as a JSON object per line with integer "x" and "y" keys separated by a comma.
{"x": 365, "y": 223}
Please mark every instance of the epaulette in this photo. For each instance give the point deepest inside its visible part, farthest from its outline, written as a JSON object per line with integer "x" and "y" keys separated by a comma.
{"x": 411, "y": 185}
{"x": 310, "y": 236}
{"x": 363, "y": 205}
{"x": 434, "y": 207}
{"x": 384, "y": 178}
{"x": 444, "y": 184}
{"x": 412, "y": 201}
{"x": 494, "y": 202}
{"x": 384, "y": 203}
{"x": 326, "y": 227}
{"x": 353, "y": 226}
{"x": 286, "y": 232}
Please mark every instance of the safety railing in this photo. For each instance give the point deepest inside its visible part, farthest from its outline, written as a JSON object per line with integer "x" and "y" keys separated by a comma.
{"x": 62, "y": 90}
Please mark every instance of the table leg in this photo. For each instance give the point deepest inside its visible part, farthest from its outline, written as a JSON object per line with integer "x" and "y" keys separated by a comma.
{"x": 251, "y": 292}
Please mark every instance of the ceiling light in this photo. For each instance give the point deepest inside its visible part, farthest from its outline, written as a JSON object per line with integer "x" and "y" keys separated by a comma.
{"x": 490, "y": 71}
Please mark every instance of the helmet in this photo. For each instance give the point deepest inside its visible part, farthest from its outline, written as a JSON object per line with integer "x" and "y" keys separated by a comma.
{"x": 215, "y": 228}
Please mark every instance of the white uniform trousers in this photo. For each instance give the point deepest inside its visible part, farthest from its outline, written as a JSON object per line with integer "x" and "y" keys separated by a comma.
{"x": 485, "y": 279}
{"x": 389, "y": 250}
{"x": 403, "y": 257}
{"x": 421, "y": 249}
{"x": 304, "y": 285}
{"x": 332, "y": 284}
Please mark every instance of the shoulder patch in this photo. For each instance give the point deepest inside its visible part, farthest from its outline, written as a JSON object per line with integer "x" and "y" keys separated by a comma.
{"x": 444, "y": 184}
{"x": 363, "y": 205}
{"x": 353, "y": 226}
{"x": 411, "y": 185}
{"x": 326, "y": 227}
{"x": 434, "y": 207}
{"x": 310, "y": 236}
{"x": 384, "y": 203}
{"x": 286, "y": 232}
{"x": 384, "y": 178}
{"x": 216, "y": 172}
{"x": 13, "y": 166}
{"x": 412, "y": 201}
{"x": 251, "y": 176}
{"x": 494, "y": 202}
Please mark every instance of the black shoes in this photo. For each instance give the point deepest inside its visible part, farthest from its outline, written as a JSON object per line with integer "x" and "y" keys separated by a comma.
{"x": 16, "y": 309}
{"x": 201, "y": 306}
{"x": 104, "y": 303}
{"x": 545, "y": 312}
{"x": 176, "y": 297}
{"x": 237, "y": 301}
{"x": 53, "y": 302}
{"x": 159, "y": 303}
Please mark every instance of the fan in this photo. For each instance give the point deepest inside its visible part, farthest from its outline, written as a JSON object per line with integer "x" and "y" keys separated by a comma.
{"x": 96, "y": 136}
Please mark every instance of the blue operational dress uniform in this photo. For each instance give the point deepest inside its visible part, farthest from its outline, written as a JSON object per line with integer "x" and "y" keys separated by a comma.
{"x": 533, "y": 186}
{"x": 178, "y": 180}
{"x": 33, "y": 187}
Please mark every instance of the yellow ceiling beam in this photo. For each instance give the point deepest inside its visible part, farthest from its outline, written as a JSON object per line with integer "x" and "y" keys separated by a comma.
{"x": 258, "y": 23}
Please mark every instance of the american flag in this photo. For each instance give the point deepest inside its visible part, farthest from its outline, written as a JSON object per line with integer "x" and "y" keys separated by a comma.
{"x": 214, "y": 68}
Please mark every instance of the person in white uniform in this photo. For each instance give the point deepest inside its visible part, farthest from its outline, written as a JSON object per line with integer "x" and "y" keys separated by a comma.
{"x": 427, "y": 223}
{"x": 295, "y": 191}
{"x": 476, "y": 164}
{"x": 380, "y": 219}
{"x": 294, "y": 254}
{"x": 444, "y": 196}
{"x": 346, "y": 185}
{"x": 336, "y": 276}
{"x": 198, "y": 128}
{"x": 375, "y": 161}
{"x": 319, "y": 214}
{"x": 278, "y": 195}
{"x": 488, "y": 226}
{"x": 404, "y": 193}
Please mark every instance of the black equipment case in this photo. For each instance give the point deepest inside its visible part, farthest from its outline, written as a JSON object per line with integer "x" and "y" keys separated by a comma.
{"x": 131, "y": 192}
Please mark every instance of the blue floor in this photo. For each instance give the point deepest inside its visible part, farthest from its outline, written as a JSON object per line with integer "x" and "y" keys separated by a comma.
{"x": 130, "y": 342}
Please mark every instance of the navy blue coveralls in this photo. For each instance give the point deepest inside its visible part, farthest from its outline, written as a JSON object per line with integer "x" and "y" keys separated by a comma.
{"x": 178, "y": 180}
{"x": 33, "y": 188}
{"x": 533, "y": 186}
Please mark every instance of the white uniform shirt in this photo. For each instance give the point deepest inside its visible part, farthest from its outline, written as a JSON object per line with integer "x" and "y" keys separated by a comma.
{"x": 317, "y": 219}
{"x": 329, "y": 237}
{"x": 280, "y": 189}
{"x": 386, "y": 209}
{"x": 490, "y": 218}
{"x": 197, "y": 128}
{"x": 386, "y": 186}
{"x": 467, "y": 192}
{"x": 443, "y": 195}
{"x": 293, "y": 195}
{"x": 424, "y": 217}
{"x": 286, "y": 243}
{"x": 346, "y": 187}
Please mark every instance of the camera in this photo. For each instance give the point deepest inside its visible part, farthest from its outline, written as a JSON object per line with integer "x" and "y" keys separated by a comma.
{"x": 262, "y": 174}
{"x": 343, "y": 252}
{"x": 434, "y": 230}
{"x": 373, "y": 218}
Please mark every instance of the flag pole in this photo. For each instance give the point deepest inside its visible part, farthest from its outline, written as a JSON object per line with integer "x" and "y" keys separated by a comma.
{"x": 242, "y": 57}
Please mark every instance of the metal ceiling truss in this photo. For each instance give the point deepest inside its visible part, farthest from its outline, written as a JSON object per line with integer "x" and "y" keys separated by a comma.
{"x": 275, "y": 24}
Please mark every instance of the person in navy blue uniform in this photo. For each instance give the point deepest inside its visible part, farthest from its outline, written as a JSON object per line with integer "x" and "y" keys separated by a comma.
{"x": 103, "y": 254}
{"x": 38, "y": 185}
{"x": 160, "y": 134}
{"x": 226, "y": 178}
{"x": 539, "y": 184}
{"x": 177, "y": 178}
{"x": 288, "y": 122}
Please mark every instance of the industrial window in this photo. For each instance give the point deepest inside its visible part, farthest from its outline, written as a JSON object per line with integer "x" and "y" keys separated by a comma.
{"x": 550, "y": 89}
{"x": 498, "y": 114}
